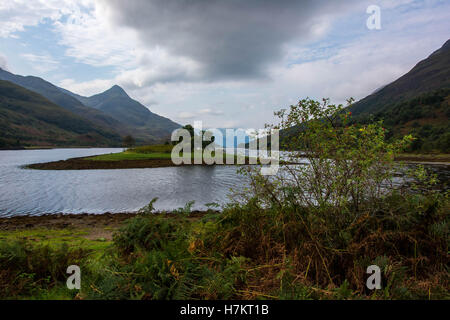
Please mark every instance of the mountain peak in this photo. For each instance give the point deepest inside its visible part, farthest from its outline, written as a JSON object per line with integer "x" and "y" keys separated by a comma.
{"x": 446, "y": 45}
{"x": 443, "y": 49}
{"x": 116, "y": 91}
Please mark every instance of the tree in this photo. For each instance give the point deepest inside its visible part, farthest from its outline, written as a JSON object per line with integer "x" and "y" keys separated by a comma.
{"x": 348, "y": 165}
{"x": 128, "y": 141}
{"x": 192, "y": 133}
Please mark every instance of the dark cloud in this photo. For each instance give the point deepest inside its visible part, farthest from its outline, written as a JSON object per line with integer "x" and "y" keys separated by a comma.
{"x": 229, "y": 38}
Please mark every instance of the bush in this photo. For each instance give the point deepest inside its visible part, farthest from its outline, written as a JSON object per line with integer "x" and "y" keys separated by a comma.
{"x": 28, "y": 269}
{"x": 160, "y": 257}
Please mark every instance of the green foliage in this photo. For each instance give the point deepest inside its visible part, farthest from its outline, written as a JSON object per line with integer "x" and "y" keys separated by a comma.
{"x": 344, "y": 292}
{"x": 249, "y": 252}
{"x": 426, "y": 117}
{"x": 194, "y": 136}
{"x": 148, "y": 209}
{"x": 28, "y": 269}
{"x": 161, "y": 258}
{"x": 128, "y": 141}
{"x": 348, "y": 164}
{"x": 186, "y": 210}
{"x": 145, "y": 233}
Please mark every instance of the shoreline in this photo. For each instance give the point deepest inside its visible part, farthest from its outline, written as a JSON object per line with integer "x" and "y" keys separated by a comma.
{"x": 85, "y": 164}
{"x": 93, "y": 226}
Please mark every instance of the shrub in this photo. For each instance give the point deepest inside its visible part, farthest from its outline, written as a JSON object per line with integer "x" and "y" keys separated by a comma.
{"x": 28, "y": 269}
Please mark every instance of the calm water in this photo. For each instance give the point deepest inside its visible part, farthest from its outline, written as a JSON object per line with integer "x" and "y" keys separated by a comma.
{"x": 34, "y": 192}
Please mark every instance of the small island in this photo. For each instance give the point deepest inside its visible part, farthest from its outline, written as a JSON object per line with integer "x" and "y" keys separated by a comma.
{"x": 154, "y": 156}
{"x": 159, "y": 156}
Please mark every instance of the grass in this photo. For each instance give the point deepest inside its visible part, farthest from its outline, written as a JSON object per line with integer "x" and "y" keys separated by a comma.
{"x": 130, "y": 155}
{"x": 161, "y": 148}
{"x": 75, "y": 238}
{"x": 138, "y": 153}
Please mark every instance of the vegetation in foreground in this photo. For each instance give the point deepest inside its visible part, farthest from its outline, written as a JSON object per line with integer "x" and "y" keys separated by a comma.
{"x": 245, "y": 252}
{"x": 307, "y": 233}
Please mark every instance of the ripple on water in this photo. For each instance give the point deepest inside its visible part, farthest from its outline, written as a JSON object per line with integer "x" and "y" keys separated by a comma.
{"x": 24, "y": 191}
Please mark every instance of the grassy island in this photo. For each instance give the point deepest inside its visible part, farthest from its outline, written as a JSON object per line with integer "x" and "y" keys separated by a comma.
{"x": 154, "y": 156}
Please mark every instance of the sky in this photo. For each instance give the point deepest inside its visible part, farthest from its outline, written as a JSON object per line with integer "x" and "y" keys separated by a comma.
{"x": 228, "y": 63}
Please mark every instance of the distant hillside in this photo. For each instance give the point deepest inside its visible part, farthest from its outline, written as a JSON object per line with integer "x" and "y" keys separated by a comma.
{"x": 29, "y": 119}
{"x": 116, "y": 103}
{"x": 55, "y": 95}
{"x": 426, "y": 117}
{"x": 417, "y": 103}
{"x": 428, "y": 75}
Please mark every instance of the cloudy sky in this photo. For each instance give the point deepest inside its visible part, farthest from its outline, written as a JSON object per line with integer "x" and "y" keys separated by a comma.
{"x": 229, "y": 63}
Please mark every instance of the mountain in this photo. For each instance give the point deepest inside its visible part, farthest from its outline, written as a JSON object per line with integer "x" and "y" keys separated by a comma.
{"x": 428, "y": 75}
{"x": 418, "y": 103}
{"x": 55, "y": 95}
{"x": 29, "y": 119}
{"x": 116, "y": 103}
{"x": 113, "y": 110}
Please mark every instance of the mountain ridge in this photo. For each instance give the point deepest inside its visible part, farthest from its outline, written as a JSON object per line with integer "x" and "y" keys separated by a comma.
{"x": 29, "y": 119}
{"x": 113, "y": 110}
{"x": 417, "y": 103}
{"x": 429, "y": 74}
{"x": 116, "y": 103}
{"x": 56, "y": 96}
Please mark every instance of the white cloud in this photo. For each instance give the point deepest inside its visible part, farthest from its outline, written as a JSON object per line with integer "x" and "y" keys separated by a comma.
{"x": 200, "y": 114}
{"x": 90, "y": 37}
{"x": 186, "y": 115}
{"x": 209, "y": 111}
{"x": 15, "y": 15}
{"x": 3, "y": 63}
{"x": 41, "y": 63}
